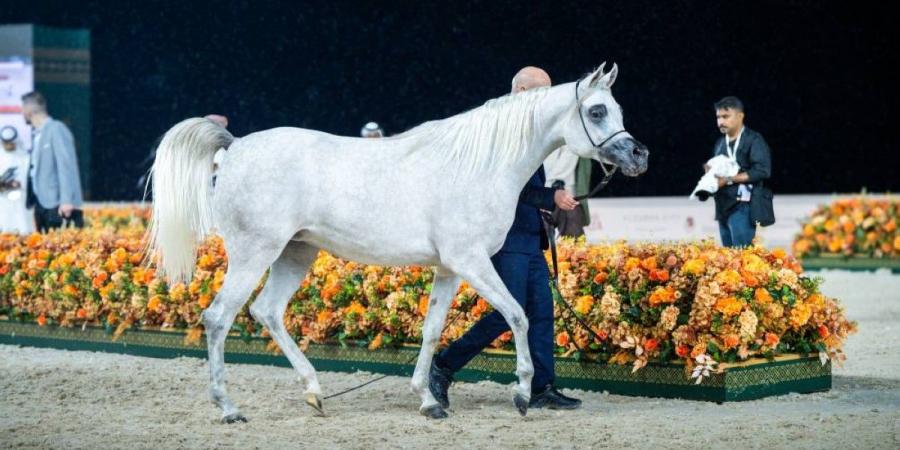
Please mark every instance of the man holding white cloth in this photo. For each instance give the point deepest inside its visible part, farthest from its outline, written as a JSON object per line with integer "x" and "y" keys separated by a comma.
{"x": 737, "y": 223}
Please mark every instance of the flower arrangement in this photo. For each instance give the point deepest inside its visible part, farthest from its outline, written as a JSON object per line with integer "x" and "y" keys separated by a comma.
{"x": 861, "y": 226}
{"x": 694, "y": 302}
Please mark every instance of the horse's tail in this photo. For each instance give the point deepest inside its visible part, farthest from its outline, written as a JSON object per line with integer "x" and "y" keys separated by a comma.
{"x": 182, "y": 188}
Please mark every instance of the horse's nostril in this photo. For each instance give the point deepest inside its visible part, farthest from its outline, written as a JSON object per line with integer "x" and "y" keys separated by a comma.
{"x": 637, "y": 152}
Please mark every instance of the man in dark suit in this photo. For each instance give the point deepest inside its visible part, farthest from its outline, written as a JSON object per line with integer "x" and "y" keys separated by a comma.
{"x": 737, "y": 225}
{"x": 521, "y": 265}
{"x": 54, "y": 186}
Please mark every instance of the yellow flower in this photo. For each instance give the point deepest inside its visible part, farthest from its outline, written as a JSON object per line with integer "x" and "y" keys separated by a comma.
{"x": 729, "y": 279}
{"x": 695, "y": 266}
{"x": 154, "y": 304}
{"x": 800, "y": 315}
{"x": 584, "y": 304}
{"x": 355, "y": 307}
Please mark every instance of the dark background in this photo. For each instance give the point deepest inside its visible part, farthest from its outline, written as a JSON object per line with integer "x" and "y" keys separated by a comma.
{"x": 812, "y": 74}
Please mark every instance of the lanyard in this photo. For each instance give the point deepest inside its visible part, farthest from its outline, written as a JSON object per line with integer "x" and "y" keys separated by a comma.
{"x": 732, "y": 153}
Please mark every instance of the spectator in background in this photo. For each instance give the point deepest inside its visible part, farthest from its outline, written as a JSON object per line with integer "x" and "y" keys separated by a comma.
{"x": 371, "y": 130}
{"x": 14, "y": 216}
{"x": 747, "y": 148}
{"x": 54, "y": 185}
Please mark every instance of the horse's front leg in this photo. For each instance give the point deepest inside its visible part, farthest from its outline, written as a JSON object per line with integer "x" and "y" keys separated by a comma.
{"x": 480, "y": 273}
{"x": 442, "y": 292}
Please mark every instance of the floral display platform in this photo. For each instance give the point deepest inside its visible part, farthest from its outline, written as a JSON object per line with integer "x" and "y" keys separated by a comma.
{"x": 748, "y": 380}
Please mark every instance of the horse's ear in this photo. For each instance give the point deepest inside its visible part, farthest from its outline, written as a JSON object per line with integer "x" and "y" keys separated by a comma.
{"x": 598, "y": 78}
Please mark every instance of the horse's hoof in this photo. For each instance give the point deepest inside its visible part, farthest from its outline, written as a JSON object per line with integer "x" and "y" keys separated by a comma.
{"x": 434, "y": 412}
{"x": 521, "y": 404}
{"x": 314, "y": 401}
{"x": 232, "y": 418}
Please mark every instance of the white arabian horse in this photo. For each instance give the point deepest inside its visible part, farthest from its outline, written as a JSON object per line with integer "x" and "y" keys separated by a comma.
{"x": 441, "y": 194}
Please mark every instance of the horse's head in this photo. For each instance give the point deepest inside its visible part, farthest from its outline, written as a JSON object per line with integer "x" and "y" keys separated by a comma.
{"x": 596, "y": 130}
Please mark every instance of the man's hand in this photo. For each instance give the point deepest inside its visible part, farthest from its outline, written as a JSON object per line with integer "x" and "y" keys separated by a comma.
{"x": 564, "y": 200}
{"x": 722, "y": 182}
{"x": 65, "y": 210}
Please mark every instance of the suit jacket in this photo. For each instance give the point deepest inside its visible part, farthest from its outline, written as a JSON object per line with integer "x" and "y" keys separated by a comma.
{"x": 527, "y": 232}
{"x": 56, "y": 179}
{"x": 754, "y": 158}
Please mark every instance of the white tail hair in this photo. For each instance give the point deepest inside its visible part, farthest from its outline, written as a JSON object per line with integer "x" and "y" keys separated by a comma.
{"x": 182, "y": 187}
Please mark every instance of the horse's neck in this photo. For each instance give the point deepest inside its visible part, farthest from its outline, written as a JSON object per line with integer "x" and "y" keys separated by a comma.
{"x": 549, "y": 118}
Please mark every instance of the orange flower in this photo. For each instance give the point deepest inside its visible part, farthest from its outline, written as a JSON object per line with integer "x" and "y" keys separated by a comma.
{"x": 99, "y": 279}
{"x": 749, "y": 279}
{"x": 562, "y": 339}
{"x": 682, "y": 350}
{"x": 731, "y": 341}
{"x": 33, "y": 241}
{"x": 602, "y": 334}
{"x": 890, "y": 226}
{"x": 659, "y": 275}
{"x": 204, "y": 300}
{"x": 81, "y": 313}
{"x": 897, "y": 243}
{"x": 42, "y": 320}
{"x": 778, "y": 253}
{"x": 662, "y": 295}
{"x": 423, "y": 305}
{"x": 355, "y": 307}
{"x": 651, "y": 345}
{"x": 377, "y": 342}
{"x": 600, "y": 278}
{"x": 823, "y": 331}
{"x": 772, "y": 339}
{"x": 762, "y": 296}
{"x": 849, "y": 227}
{"x": 649, "y": 264}
{"x": 154, "y": 304}
{"x": 323, "y": 317}
{"x": 70, "y": 290}
{"x": 729, "y": 306}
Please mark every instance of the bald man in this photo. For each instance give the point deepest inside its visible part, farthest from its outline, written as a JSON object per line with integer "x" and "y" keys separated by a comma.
{"x": 521, "y": 265}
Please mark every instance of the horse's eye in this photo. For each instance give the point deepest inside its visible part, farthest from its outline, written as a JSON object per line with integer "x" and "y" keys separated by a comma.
{"x": 597, "y": 113}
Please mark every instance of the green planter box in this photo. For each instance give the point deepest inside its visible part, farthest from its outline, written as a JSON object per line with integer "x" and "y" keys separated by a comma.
{"x": 850, "y": 263}
{"x": 744, "y": 381}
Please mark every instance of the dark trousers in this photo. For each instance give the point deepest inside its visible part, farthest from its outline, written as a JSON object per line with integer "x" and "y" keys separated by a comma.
{"x": 737, "y": 230}
{"x": 527, "y": 278}
{"x": 46, "y": 219}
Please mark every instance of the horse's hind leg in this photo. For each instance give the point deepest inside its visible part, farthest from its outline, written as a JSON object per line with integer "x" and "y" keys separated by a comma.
{"x": 247, "y": 261}
{"x": 284, "y": 279}
{"x": 480, "y": 273}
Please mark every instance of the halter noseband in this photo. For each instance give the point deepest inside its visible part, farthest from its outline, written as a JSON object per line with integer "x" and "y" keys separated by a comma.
{"x": 607, "y": 172}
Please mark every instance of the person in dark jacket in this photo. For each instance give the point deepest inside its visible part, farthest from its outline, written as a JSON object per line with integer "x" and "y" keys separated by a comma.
{"x": 521, "y": 265}
{"x": 737, "y": 227}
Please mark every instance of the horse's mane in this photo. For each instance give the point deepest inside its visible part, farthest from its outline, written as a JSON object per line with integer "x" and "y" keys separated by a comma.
{"x": 491, "y": 135}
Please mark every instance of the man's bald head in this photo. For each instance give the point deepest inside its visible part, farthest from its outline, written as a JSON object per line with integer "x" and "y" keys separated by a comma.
{"x": 529, "y": 78}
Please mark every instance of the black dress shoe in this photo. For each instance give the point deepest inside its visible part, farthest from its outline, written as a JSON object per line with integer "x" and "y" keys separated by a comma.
{"x": 439, "y": 381}
{"x": 551, "y": 398}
